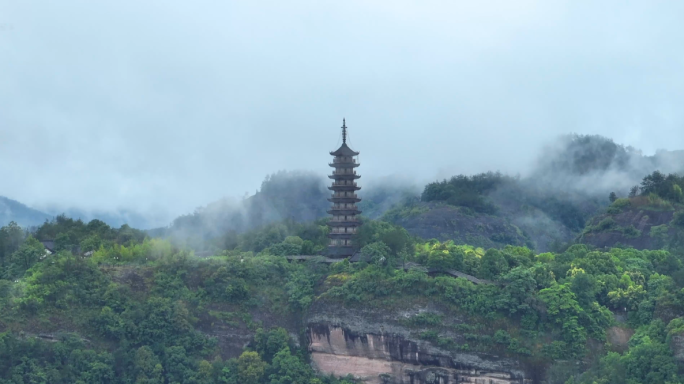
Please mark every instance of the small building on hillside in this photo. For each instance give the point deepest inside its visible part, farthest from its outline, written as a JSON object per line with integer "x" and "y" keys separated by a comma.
{"x": 345, "y": 220}
{"x": 49, "y": 246}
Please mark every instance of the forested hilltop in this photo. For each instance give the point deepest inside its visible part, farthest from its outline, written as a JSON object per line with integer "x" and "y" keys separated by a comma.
{"x": 550, "y": 207}
{"x": 651, "y": 216}
{"x": 573, "y": 274}
{"x": 140, "y": 310}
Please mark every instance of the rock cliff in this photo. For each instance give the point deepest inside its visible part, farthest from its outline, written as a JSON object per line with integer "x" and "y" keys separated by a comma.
{"x": 648, "y": 229}
{"x": 445, "y": 222}
{"x": 375, "y": 347}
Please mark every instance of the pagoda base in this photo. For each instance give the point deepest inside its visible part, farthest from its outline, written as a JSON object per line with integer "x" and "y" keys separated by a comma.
{"x": 339, "y": 252}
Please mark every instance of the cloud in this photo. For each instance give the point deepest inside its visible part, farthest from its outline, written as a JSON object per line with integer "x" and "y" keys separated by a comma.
{"x": 161, "y": 107}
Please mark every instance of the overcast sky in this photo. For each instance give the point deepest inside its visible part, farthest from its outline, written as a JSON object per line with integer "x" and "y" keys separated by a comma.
{"x": 163, "y": 106}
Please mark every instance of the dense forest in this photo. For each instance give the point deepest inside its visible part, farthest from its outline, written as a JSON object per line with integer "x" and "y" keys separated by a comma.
{"x": 67, "y": 318}
{"x": 70, "y": 318}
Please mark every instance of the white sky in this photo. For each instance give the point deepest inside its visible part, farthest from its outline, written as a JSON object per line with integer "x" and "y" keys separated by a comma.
{"x": 163, "y": 106}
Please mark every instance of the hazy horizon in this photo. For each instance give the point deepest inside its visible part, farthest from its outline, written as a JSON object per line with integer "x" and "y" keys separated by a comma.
{"x": 179, "y": 104}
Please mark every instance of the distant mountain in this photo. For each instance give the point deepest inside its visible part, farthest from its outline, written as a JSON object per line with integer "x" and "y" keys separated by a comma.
{"x": 597, "y": 165}
{"x": 12, "y": 210}
{"x": 299, "y": 196}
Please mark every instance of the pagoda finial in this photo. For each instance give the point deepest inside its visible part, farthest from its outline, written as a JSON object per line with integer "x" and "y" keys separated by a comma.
{"x": 344, "y": 131}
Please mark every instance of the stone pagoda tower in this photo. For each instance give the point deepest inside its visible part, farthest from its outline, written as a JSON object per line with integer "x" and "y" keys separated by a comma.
{"x": 345, "y": 214}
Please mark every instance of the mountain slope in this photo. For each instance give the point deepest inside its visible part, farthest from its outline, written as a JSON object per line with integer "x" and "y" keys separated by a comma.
{"x": 12, "y": 210}
{"x": 569, "y": 185}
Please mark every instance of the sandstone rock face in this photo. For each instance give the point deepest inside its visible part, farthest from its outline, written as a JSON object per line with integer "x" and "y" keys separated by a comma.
{"x": 378, "y": 350}
{"x": 619, "y": 337}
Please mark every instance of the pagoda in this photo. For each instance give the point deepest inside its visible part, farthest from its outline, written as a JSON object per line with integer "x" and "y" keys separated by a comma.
{"x": 345, "y": 213}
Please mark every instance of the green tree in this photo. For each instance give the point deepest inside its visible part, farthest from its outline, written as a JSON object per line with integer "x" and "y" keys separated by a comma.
{"x": 250, "y": 367}
{"x": 519, "y": 290}
{"x": 204, "y": 373}
{"x": 585, "y": 287}
{"x": 11, "y": 237}
{"x": 612, "y": 197}
{"x": 650, "y": 362}
{"x": 147, "y": 368}
{"x": 678, "y": 219}
{"x": 29, "y": 253}
{"x": 91, "y": 243}
{"x": 445, "y": 256}
{"x": 178, "y": 367}
{"x": 377, "y": 252}
{"x": 493, "y": 264}
{"x": 563, "y": 310}
{"x": 288, "y": 369}
{"x": 270, "y": 342}
{"x": 299, "y": 288}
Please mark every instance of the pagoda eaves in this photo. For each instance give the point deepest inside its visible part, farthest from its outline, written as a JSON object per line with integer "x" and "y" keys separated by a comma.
{"x": 345, "y": 213}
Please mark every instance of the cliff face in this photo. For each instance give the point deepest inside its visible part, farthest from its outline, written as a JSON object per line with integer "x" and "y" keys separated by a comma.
{"x": 446, "y": 222}
{"x": 641, "y": 220}
{"x": 376, "y": 348}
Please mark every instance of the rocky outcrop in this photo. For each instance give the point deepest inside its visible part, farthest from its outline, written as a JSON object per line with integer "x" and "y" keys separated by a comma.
{"x": 618, "y": 337}
{"x": 376, "y": 348}
{"x": 643, "y": 221}
{"x": 445, "y": 222}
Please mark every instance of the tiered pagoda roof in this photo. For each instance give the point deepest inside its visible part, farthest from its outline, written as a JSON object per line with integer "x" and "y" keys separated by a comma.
{"x": 345, "y": 213}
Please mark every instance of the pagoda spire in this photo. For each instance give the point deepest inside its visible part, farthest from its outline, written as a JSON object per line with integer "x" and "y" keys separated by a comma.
{"x": 345, "y": 212}
{"x": 344, "y": 131}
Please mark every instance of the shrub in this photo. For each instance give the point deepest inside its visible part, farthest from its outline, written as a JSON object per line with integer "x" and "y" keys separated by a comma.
{"x": 659, "y": 231}
{"x": 605, "y": 225}
{"x": 678, "y": 219}
{"x": 429, "y": 335}
{"x": 502, "y": 337}
{"x": 545, "y": 257}
{"x": 423, "y": 319}
{"x": 631, "y": 232}
{"x": 658, "y": 202}
{"x": 619, "y": 205}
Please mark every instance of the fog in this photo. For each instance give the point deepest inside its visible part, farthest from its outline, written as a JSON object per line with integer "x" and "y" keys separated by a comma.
{"x": 161, "y": 107}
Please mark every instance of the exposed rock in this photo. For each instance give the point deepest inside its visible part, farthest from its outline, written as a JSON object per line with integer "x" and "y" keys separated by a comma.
{"x": 619, "y": 337}
{"x": 375, "y": 348}
{"x": 642, "y": 220}
{"x": 227, "y": 324}
{"x": 53, "y": 337}
{"x": 446, "y": 222}
{"x": 135, "y": 278}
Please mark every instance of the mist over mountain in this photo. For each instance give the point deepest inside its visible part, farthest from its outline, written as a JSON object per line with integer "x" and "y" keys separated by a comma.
{"x": 299, "y": 196}
{"x": 25, "y": 216}
{"x": 168, "y": 166}
{"x": 568, "y": 184}
{"x": 11, "y": 210}
{"x": 595, "y": 164}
